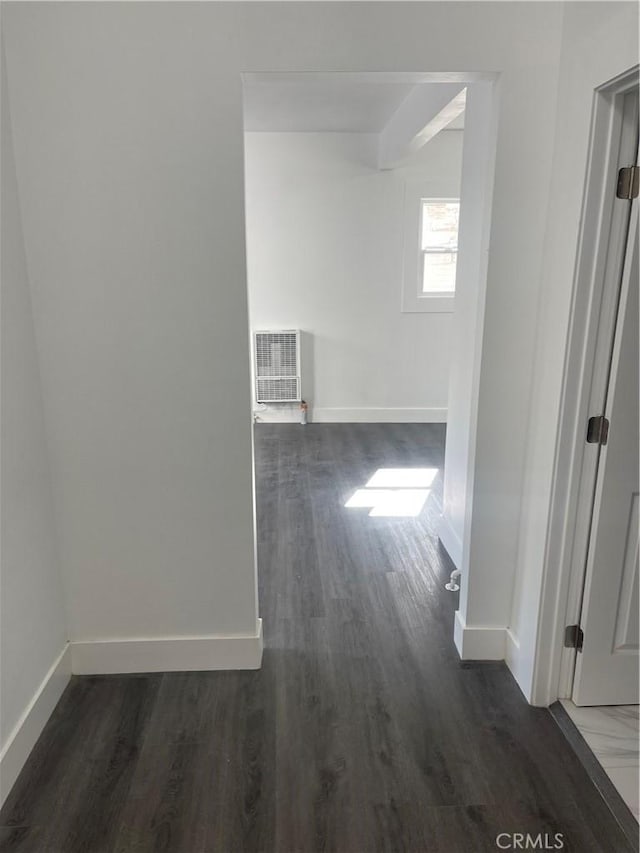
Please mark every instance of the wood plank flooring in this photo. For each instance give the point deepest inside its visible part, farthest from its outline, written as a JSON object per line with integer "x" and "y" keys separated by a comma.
{"x": 361, "y": 732}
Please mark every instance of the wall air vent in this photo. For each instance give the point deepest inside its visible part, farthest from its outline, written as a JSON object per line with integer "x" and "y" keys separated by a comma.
{"x": 277, "y": 366}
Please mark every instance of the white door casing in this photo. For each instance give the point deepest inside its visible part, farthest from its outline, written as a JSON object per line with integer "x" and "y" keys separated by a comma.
{"x": 598, "y": 273}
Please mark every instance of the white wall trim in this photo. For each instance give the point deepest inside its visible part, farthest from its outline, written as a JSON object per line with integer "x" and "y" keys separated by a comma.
{"x": 467, "y": 338}
{"x": 451, "y": 541}
{"x": 382, "y": 416}
{"x": 478, "y": 642}
{"x": 168, "y": 654}
{"x": 30, "y": 725}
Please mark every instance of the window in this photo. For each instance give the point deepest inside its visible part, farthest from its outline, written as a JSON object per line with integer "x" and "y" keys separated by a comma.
{"x": 431, "y": 212}
{"x": 439, "y": 245}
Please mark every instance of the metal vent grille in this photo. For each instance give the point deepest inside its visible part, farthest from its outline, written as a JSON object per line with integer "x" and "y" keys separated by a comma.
{"x": 277, "y": 365}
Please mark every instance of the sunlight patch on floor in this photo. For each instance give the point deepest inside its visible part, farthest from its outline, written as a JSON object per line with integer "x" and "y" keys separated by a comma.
{"x": 402, "y": 478}
{"x": 394, "y": 492}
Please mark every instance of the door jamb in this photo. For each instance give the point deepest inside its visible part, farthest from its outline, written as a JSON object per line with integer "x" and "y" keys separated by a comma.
{"x": 565, "y": 552}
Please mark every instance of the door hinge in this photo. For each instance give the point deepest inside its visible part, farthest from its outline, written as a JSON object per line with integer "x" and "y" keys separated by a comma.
{"x": 628, "y": 182}
{"x": 597, "y": 430}
{"x": 573, "y": 637}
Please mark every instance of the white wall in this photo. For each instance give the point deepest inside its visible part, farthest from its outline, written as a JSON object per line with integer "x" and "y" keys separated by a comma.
{"x": 467, "y": 325}
{"x": 600, "y": 41}
{"x": 130, "y": 175}
{"x": 32, "y": 620}
{"x": 131, "y": 183}
{"x": 325, "y": 238}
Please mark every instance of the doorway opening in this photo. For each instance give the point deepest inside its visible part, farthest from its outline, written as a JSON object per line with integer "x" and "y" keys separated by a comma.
{"x": 367, "y": 202}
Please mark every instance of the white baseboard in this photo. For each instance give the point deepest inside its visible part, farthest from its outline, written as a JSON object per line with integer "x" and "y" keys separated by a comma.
{"x": 30, "y": 725}
{"x": 167, "y": 654}
{"x": 381, "y": 416}
{"x": 450, "y": 540}
{"x": 478, "y": 642}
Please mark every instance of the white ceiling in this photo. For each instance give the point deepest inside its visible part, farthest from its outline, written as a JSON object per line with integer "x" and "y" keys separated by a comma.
{"x": 321, "y": 105}
{"x": 329, "y": 103}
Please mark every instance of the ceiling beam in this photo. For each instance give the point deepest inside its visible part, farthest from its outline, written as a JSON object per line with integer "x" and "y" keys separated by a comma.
{"x": 424, "y": 113}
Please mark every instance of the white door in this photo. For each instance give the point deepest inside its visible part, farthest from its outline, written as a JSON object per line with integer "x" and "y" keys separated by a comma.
{"x": 607, "y": 667}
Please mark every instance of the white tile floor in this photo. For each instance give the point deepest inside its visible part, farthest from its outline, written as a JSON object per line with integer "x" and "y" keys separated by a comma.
{"x": 613, "y": 733}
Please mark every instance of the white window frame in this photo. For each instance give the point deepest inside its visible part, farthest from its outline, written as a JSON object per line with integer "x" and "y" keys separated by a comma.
{"x": 441, "y": 250}
{"x": 413, "y": 299}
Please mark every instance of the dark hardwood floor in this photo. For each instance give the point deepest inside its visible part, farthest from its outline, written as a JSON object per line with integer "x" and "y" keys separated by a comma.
{"x": 361, "y": 732}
